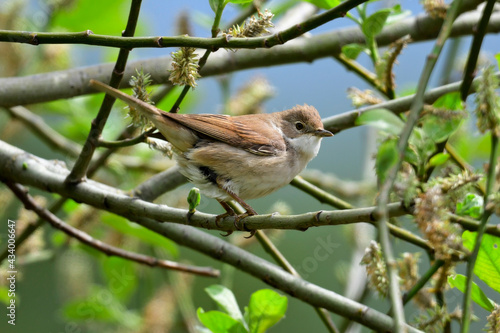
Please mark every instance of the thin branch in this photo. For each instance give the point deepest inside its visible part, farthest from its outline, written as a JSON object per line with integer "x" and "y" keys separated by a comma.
{"x": 347, "y": 119}
{"x": 127, "y": 42}
{"x": 31, "y": 228}
{"x": 203, "y": 59}
{"x": 74, "y": 82}
{"x": 475, "y": 48}
{"x": 328, "y": 198}
{"x": 80, "y": 168}
{"x": 490, "y": 185}
{"x": 160, "y": 183}
{"x": 47, "y": 133}
{"x": 30, "y": 203}
{"x": 472, "y": 225}
{"x": 276, "y": 254}
{"x": 125, "y": 142}
{"x": 383, "y": 199}
{"x": 321, "y": 195}
{"x": 422, "y": 281}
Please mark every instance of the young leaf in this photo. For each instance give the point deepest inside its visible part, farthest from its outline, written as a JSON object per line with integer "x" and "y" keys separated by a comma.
{"x": 219, "y": 322}
{"x": 374, "y": 24}
{"x": 265, "y": 309}
{"x": 193, "y": 199}
{"x": 497, "y": 57}
{"x": 352, "y": 51}
{"x": 439, "y": 159}
{"x": 387, "y": 156}
{"x": 224, "y": 297}
{"x": 460, "y": 281}
{"x": 382, "y": 119}
{"x": 488, "y": 259}
{"x": 472, "y": 206}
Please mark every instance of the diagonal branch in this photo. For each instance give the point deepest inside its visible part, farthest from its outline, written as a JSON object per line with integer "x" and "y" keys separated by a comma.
{"x": 475, "y": 48}
{"x": 22, "y": 193}
{"x": 79, "y": 171}
{"x": 47, "y": 133}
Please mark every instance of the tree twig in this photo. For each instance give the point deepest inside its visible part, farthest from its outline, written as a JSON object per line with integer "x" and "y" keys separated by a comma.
{"x": 29, "y": 203}
{"x": 383, "y": 199}
{"x": 79, "y": 171}
{"x": 475, "y": 48}
{"x": 47, "y": 133}
{"x": 471, "y": 262}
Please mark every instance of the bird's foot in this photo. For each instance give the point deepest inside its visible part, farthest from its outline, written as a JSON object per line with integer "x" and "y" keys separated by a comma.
{"x": 220, "y": 217}
{"x": 240, "y": 225}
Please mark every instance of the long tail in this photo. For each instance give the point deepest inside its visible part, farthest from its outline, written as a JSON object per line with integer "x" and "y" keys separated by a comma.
{"x": 147, "y": 109}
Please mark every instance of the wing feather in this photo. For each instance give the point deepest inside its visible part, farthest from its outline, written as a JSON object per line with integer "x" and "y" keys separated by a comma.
{"x": 228, "y": 130}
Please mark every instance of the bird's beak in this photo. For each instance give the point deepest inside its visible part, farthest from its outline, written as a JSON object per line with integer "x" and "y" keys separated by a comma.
{"x": 323, "y": 133}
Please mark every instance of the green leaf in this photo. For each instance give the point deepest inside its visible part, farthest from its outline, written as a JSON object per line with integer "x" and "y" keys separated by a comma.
{"x": 387, "y": 156}
{"x": 224, "y": 297}
{"x": 382, "y": 119}
{"x": 497, "y": 57}
{"x": 439, "y": 159}
{"x": 219, "y": 322}
{"x": 108, "y": 20}
{"x": 460, "y": 281}
{"x": 214, "y": 4}
{"x": 438, "y": 129}
{"x": 451, "y": 101}
{"x": 374, "y": 24}
{"x": 325, "y": 4}
{"x": 133, "y": 229}
{"x": 265, "y": 309}
{"x": 352, "y": 51}
{"x": 488, "y": 259}
{"x": 472, "y": 206}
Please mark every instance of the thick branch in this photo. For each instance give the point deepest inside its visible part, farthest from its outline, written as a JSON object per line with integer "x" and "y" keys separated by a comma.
{"x": 74, "y": 82}
{"x": 21, "y": 167}
{"x": 24, "y": 168}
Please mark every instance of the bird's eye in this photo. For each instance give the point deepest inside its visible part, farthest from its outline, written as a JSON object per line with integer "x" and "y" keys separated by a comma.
{"x": 299, "y": 125}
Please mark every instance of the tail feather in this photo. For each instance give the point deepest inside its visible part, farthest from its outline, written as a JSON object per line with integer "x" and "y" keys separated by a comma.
{"x": 147, "y": 109}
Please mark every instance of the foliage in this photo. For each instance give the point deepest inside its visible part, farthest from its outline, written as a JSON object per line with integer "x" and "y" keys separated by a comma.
{"x": 264, "y": 310}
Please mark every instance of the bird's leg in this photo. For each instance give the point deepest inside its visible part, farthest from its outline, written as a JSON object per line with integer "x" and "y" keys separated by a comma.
{"x": 229, "y": 212}
{"x": 249, "y": 212}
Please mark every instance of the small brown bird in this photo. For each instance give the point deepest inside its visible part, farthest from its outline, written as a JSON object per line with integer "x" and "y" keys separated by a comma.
{"x": 240, "y": 157}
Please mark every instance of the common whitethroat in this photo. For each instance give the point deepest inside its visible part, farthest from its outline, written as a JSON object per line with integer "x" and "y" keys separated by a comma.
{"x": 240, "y": 157}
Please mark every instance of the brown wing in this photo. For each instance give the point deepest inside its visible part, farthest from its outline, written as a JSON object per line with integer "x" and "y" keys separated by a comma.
{"x": 228, "y": 130}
